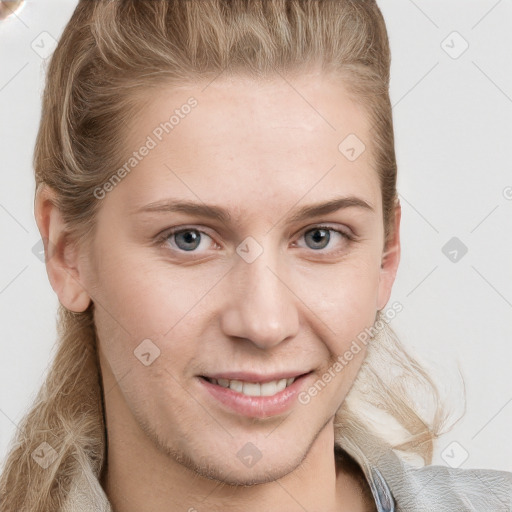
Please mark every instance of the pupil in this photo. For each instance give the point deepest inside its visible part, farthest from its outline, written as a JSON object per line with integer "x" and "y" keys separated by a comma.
{"x": 320, "y": 234}
{"x": 189, "y": 237}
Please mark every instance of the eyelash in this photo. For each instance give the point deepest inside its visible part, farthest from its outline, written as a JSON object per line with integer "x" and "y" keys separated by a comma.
{"x": 167, "y": 234}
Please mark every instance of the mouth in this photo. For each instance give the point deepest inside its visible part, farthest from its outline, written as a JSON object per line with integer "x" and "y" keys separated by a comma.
{"x": 253, "y": 395}
{"x": 254, "y": 388}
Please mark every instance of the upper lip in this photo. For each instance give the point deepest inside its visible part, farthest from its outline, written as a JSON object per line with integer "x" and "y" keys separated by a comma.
{"x": 256, "y": 377}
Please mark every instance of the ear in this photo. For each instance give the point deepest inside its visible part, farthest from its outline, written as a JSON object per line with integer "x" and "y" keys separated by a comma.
{"x": 390, "y": 261}
{"x": 61, "y": 255}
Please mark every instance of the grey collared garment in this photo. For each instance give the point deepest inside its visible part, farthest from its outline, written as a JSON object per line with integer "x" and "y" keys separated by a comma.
{"x": 396, "y": 487}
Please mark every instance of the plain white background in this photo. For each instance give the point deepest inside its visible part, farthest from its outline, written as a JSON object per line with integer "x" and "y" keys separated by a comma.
{"x": 451, "y": 89}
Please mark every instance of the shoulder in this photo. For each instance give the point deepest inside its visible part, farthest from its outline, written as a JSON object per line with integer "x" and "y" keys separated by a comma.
{"x": 440, "y": 488}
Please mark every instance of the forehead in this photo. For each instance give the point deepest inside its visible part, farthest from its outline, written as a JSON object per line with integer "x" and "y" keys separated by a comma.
{"x": 238, "y": 138}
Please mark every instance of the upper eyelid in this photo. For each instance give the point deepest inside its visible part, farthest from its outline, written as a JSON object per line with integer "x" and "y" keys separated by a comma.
{"x": 326, "y": 225}
{"x": 204, "y": 229}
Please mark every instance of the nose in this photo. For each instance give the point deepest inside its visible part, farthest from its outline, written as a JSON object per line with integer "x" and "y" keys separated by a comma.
{"x": 259, "y": 306}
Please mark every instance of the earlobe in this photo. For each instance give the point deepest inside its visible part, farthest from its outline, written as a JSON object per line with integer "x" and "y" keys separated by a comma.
{"x": 61, "y": 255}
{"x": 389, "y": 262}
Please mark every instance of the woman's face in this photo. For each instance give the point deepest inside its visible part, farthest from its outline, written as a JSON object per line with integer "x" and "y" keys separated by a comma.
{"x": 266, "y": 292}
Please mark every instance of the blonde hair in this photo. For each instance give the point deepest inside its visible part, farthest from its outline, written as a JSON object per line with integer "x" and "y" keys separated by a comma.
{"x": 110, "y": 52}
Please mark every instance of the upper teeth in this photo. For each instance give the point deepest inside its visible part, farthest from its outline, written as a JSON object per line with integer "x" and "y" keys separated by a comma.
{"x": 255, "y": 388}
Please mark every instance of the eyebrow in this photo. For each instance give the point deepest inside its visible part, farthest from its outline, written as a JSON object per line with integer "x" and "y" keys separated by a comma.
{"x": 223, "y": 215}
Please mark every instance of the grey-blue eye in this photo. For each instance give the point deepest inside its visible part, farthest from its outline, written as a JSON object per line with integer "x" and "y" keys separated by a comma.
{"x": 320, "y": 237}
{"x": 187, "y": 239}
{"x": 190, "y": 239}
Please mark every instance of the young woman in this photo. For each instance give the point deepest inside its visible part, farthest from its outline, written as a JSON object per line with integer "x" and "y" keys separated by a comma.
{"x": 216, "y": 190}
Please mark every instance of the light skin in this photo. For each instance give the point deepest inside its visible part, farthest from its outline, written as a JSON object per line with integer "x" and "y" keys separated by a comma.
{"x": 262, "y": 152}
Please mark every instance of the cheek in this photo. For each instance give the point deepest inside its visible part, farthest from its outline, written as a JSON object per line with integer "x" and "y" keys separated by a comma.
{"x": 344, "y": 296}
{"x": 139, "y": 311}
{"x": 148, "y": 296}
{"x": 345, "y": 303}
{"x": 147, "y": 338}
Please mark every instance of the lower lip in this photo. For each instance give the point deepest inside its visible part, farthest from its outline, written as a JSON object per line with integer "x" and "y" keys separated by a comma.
{"x": 256, "y": 406}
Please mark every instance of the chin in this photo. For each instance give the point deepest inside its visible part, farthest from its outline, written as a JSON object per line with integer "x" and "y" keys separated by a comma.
{"x": 237, "y": 475}
{"x": 245, "y": 466}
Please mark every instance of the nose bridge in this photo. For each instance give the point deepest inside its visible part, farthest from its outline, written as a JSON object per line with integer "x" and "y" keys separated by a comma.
{"x": 261, "y": 308}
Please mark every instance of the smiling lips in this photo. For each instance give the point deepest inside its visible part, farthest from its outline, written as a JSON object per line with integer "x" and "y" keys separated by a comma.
{"x": 255, "y": 395}
{"x": 269, "y": 388}
{"x": 254, "y": 384}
